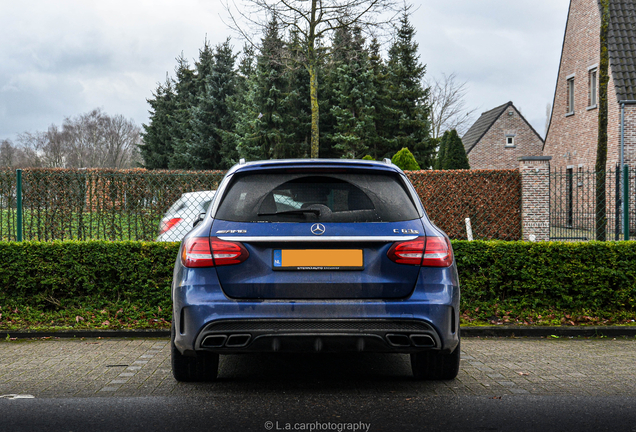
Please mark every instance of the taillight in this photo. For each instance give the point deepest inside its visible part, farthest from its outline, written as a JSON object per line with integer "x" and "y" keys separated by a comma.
{"x": 227, "y": 253}
{"x": 438, "y": 252}
{"x": 210, "y": 252}
{"x": 168, "y": 225}
{"x": 409, "y": 252}
{"x": 423, "y": 251}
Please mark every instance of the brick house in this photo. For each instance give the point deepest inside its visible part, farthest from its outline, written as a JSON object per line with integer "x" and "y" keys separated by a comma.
{"x": 499, "y": 137}
{"x": 572, "y": 135}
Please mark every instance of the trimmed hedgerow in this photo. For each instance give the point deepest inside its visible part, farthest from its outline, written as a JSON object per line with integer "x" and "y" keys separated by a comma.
{"x": 490, "y": 198}
{"x": 100, "y": 284}
{"x": 547, "y": 283}
{"x": 85, "y": 284}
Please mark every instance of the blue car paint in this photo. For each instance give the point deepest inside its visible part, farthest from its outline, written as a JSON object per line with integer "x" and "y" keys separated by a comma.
{"x": 381, "y": 276}
{"x": 198, "y": 296}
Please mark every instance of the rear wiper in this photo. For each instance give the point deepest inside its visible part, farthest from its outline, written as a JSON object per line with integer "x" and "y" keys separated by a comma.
{"x": 293, "y": 212}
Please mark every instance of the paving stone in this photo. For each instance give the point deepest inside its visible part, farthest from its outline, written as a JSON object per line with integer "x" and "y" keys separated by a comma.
{"x": 500, "y": 366}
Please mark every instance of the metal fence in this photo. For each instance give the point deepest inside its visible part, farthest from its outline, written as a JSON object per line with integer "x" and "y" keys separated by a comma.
{"x": 101, "y": 204}
{"x": 573, "y": 212}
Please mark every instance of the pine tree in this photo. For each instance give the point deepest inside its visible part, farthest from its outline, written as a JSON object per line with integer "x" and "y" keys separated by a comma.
{"x": 441, "y": 152}
{"x": 455, "y": 154}
{"x": 407, "y": 116}
{"x": 379, "y": 144}
{"x": 242, "y": 104}
{"x": 262, "y": 133}
{"x": 158, "y": 138}
{"x": 296, "y": 107}
{"x": 221, "y": 88}
{"x": 186, "y": 94}
{"x": 210, "y": 117}
{"x": 354, "y": 111}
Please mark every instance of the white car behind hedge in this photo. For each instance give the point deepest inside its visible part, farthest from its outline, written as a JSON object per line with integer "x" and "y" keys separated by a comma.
{"x": 178, "y": 220}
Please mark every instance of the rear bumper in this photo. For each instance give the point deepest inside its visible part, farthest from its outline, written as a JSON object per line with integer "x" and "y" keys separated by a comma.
{"x": 271, "y": 326}
{"x": 207, "y": 320}
{"x": 227, "y": 336}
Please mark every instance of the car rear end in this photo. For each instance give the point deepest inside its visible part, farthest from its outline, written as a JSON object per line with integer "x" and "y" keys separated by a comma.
{"x": 315, "y": 256}
{"x": 179, "y": 218}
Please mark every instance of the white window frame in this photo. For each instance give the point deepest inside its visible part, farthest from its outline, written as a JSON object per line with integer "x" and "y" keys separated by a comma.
{"x": 592, "y": 87}
{"x": 510, "y": 141}
{"x": 570, "y": 95}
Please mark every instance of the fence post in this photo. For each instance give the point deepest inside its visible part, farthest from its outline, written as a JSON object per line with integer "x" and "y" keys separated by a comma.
{"x": 535, "y": 197}
{"x": 18, "y": 195}
{"x": 626, "y": 202}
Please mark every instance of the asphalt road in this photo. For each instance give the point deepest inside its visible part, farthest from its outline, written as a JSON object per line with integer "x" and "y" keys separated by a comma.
{"x": 504, "y": 385}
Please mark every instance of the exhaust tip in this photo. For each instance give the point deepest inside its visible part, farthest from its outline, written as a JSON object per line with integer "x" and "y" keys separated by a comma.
{"x": 422, "y": 341}
{"x": 398, "y": 340}
{"x": 214, "y": 341}
{"x": 238, "y": 340}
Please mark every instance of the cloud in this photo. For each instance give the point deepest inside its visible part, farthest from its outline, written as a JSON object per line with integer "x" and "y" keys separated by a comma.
{"x": 63, "y": 58}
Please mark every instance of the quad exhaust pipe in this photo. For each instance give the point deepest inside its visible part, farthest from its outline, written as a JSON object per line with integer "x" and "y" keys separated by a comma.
{"x": 231, "y": 341}
{"x": 416, "y": 340}
{"x": 402, "y": 340}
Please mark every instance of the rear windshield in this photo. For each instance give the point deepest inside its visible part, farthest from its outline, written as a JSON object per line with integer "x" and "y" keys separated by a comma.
{"x": 341, "y": 197}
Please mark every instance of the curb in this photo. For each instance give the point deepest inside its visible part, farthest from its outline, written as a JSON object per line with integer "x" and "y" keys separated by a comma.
{"x": 69, "y": 334}
{"x": 485, "y": 331}
{"x": 566, "y": 331}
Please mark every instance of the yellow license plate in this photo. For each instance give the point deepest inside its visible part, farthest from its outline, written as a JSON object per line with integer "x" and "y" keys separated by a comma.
{"x": 318, "y": 259}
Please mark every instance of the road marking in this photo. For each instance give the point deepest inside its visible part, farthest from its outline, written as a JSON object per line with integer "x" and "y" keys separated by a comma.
{"x": 17, "y": 396}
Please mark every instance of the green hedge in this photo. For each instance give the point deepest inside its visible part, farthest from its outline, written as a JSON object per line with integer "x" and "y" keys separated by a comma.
{"x": 86, "y": 284}
{"x": 547, "y": 283}
{"x": 127, "y": 284}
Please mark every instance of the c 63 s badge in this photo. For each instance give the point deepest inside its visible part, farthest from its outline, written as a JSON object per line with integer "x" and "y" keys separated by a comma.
{"x": 232, "y": 232}
{"x": 405, "y": 231}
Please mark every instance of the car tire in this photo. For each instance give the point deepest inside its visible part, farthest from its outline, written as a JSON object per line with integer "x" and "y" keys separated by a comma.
{"x": 202, "y": 368}
{"x": 436, "y": 365}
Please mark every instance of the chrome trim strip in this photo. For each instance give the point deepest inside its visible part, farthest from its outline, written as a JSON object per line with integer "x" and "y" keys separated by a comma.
{"x": 316, "y": 239}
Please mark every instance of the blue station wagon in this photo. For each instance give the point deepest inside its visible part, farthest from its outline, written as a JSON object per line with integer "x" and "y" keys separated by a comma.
{"x": 315, "y": 256}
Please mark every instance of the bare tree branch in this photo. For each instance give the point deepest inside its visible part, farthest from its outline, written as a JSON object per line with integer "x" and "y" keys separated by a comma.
{"x": 448, "y": 105}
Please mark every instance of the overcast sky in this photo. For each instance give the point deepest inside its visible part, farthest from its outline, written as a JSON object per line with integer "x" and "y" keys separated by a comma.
{"x": 65, "y": 57}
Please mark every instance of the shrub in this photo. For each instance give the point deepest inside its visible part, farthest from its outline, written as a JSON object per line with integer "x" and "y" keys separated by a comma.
{"x": 405, "y": 160}
{"x": 490, "y": 198}
{"x": 455, "y": 154}
{"x": 86, "y": 283}
{"x": 100, "y": 284}
{"x": 579, "y": 281}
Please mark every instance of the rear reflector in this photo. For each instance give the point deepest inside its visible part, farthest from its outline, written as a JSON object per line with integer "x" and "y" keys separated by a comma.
{"x": 423, "y": 251}
{"x": 210, "y": 252}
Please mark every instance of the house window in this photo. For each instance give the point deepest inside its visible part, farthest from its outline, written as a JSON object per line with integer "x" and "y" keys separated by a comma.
{"x": 570, "y": 102}
{"x": 510, "y": 141}
{"x": 592, "y": 77}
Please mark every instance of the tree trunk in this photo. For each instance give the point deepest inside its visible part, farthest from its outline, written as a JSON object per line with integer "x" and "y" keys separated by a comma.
{"x": 601, "y": 153}
{"x": 315, "y": 113}
{"x": 313, "y": 84}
